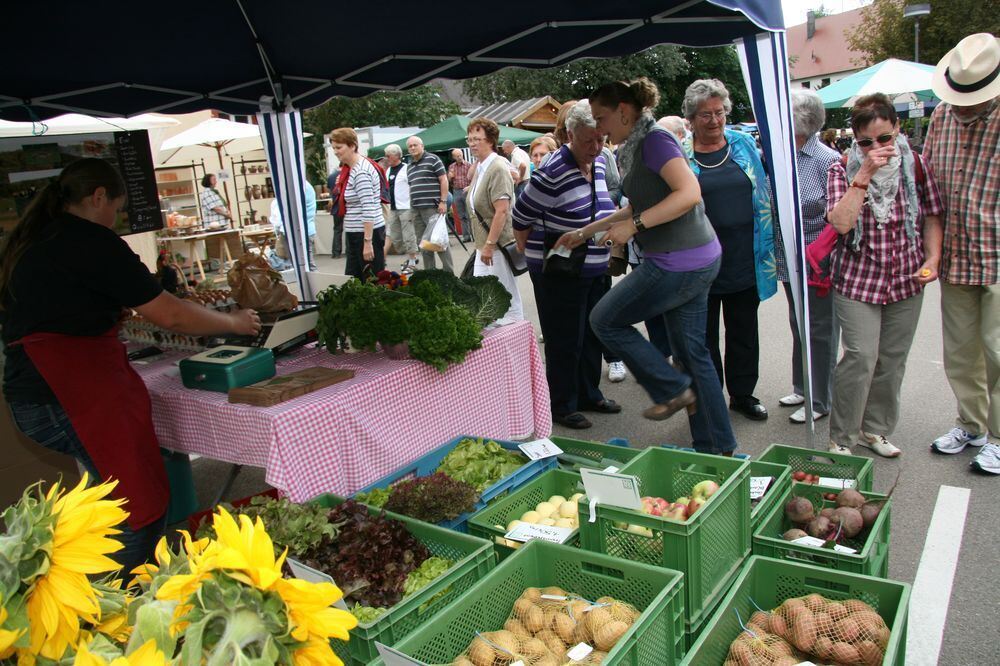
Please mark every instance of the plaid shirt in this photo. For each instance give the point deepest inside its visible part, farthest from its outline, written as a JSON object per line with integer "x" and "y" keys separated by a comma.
{"x": 881, "y": 270}
{"x": 459, "y": 175}
{"x": 813, "y": 162}
{"x": 210, "y": 199}
{"x": 964, "y": 160}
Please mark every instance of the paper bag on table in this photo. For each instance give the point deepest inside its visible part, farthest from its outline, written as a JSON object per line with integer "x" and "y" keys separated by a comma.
{"x": 256, "y": 285}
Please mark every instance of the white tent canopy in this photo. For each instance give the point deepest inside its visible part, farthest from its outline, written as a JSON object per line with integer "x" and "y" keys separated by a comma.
{"x": 76, "y": 123}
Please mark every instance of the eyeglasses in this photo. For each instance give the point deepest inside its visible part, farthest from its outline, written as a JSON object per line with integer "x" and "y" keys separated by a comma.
{"x": 473, "y": 140}
{"x": 708, "y": 115}
{"x": 881, "y": 138}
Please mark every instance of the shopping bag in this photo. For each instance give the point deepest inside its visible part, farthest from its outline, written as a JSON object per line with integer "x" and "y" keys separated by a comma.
{"x": 438, "y": 239}
{"x": 256, "y": 285}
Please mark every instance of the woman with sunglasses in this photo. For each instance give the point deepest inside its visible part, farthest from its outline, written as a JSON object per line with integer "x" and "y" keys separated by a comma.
{"x": 885, "y": 205}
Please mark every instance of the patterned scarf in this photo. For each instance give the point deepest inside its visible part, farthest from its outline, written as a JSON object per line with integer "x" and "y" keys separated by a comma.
{"x": 884, "y": 186}
{"x": 631, "y": 148}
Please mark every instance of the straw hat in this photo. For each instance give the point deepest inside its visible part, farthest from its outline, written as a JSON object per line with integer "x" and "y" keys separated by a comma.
{"x": 970, "y": 73}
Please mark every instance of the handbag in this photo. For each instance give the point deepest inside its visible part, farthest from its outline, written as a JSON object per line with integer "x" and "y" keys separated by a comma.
{"x": 557, "y": 265}
{"x": 515, "y": 258}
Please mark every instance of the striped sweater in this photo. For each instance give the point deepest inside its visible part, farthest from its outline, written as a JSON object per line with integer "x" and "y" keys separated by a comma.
{"x": 559, "y": 199}
{"x": 361, "y": 196}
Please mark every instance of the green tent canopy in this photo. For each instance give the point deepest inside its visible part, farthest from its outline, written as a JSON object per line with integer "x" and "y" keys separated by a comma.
{"x": 450, "y": 133}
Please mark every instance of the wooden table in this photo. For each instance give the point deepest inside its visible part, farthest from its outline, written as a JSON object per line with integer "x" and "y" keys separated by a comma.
{"x": 223, "y": 236}
{"x": 260, "y": 234}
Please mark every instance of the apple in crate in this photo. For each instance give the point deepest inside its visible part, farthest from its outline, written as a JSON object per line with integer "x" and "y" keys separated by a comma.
{"x": 693, "y": 506}
{"x": 705, "y": 489}
{"x": 676, "y": 512}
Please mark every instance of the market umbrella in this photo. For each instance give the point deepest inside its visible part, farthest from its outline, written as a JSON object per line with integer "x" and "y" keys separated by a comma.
{"x": 76, "y": 123}
{"x": 217, "y": 133}
{"x": 892, "y": 77}
{"x": 450, "y": 133}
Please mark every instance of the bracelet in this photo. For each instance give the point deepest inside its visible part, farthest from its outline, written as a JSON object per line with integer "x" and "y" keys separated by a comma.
{"x": 490, "y": 242}
{"x": 368, "y": 240}
{"x": 579, "y": 234}
{"x": 859, "y": 186}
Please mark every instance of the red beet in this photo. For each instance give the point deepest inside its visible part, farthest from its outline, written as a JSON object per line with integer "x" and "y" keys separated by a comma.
{"x": 870, "y": 512}
{"x": 850, "y": 497}
{"x": 799, "y": 510}
{"x": 849, "y": 519}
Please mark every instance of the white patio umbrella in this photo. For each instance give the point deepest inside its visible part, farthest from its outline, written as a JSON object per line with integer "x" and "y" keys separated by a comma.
{"x": 223, "y": 136}
{"x": 892, "y": 77}
{"x": 76, "y": 123}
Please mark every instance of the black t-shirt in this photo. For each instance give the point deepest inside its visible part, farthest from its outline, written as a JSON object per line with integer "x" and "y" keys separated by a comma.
{"x": 75, "y": 280}
{"x": 390, "y": 175}
{"x": 728, "y": 196}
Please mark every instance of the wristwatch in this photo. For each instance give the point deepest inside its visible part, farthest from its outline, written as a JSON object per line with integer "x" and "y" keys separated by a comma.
{"x": 637, "y": 221}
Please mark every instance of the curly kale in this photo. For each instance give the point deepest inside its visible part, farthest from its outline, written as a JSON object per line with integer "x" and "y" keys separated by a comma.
{"x": 432, "y": 498}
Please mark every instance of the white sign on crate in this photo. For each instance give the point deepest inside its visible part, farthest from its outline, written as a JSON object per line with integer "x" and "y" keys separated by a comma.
{"x": 528, "y": 531}
{"x": 621, "y": 490}
{"x": 540, "y": 448}
{"x": 758, "y": 486}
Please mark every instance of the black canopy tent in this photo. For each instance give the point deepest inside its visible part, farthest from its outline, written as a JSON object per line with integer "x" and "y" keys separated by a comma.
{"x": 255, "y": 56}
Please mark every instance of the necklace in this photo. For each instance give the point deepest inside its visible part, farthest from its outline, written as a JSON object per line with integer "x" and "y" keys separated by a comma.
{"x": 729, "y": 149}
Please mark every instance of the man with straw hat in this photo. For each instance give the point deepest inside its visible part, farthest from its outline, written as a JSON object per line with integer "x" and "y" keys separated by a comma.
{"x": 961, "y": 149}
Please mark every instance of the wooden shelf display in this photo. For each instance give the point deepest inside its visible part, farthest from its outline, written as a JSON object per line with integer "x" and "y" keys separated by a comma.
{"x": 254, "y": 190}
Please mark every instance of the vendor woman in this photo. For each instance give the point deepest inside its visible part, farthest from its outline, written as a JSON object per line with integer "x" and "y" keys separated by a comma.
{"x": 65, "y": 279}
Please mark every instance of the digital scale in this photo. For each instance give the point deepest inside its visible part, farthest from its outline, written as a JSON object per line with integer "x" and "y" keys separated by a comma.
{"x": 227, "y": 366}
{"x": 281, "y": 332}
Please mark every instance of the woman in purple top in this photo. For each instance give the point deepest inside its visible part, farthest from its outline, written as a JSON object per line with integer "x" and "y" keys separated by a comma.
{"x": 564, "y": 194}
{"x": 666, "y": 216}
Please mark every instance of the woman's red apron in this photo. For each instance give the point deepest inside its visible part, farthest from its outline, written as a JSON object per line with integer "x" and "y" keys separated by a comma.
{"x": 109, "y": 407}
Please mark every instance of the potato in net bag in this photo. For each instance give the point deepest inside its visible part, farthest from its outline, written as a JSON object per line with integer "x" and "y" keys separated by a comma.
{"x": 504, "y": 647}
{"x": 845, "y": 633}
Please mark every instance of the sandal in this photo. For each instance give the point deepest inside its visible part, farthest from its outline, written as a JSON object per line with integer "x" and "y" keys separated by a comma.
{"x": 574, "y": 420}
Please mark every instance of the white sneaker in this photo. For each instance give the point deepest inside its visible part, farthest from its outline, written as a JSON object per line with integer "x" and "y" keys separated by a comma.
{"x": 837, "y": 448}
{"x": 956, "y": 441}
{"x": 791, "y": 400}
{"x": 799, "y": 415}
{"x": 879, "y": 445}
{"x": 988, "y": 459}
{"x": 616, "y": 371}
{"x": 411, "y": 265}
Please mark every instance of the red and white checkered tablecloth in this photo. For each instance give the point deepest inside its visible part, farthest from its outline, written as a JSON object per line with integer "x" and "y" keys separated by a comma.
{"x": 344, "y": 437}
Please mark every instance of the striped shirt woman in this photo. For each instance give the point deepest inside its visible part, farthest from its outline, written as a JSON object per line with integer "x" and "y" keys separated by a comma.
{"x": 362, "y": 197}
{"x": 559, "y": 199}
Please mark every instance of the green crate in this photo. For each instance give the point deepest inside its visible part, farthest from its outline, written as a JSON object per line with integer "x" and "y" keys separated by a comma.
{"x": 473, "y": 558}
{"x": 596, "y": 455}
{"x": 656, "y": 638}
{"x": 767, "y": 582}
{"x": 782, "y": 482}
{"x": 708, "y": 547}
{"x": 484, "y": 523}
{"x": 821, "y": 463}
{"x": 872, "y": 558}
{"x": 693, "y": 631}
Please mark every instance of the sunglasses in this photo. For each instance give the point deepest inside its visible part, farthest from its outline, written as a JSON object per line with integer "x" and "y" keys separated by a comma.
{"x": 881, "y": 138}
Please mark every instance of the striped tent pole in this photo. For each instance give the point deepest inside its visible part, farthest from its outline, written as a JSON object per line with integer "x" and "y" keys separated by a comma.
{"x": 281, "y": 132}
{"x": 764, "y": 61}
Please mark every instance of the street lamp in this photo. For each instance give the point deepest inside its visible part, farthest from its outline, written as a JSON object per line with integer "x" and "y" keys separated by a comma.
{"x": 916, "y": 12}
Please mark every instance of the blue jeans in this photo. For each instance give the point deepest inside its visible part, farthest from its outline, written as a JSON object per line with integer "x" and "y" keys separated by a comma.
{"x": 49, "y": 426}
{"x": 682, "y": 300}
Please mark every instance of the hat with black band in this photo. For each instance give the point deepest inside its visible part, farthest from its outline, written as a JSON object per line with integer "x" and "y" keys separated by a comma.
{"x": 969, "y": 74}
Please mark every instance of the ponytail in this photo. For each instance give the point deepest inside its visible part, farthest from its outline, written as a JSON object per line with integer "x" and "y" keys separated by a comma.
{"x": 76, "y": 182}
{"x": 640, "y": 93}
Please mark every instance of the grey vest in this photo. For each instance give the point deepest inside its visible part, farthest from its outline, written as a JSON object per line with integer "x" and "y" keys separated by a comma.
{"x": 644, "y": 189}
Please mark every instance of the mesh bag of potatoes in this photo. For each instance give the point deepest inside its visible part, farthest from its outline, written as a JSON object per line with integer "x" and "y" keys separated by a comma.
{"x": 845, "y": 633}
{"x": 755, "y": 646}
{"x": 546, "y": 624}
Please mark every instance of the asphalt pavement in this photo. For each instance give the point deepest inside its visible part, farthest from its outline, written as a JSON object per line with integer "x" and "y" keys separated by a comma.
{"x": 971, "y": 634}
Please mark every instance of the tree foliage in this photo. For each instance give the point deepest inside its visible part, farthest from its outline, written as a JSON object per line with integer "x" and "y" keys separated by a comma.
{"x": 419, "y": 107}
{"x": 884, "y": 33}
{"x": 672, "y": 68}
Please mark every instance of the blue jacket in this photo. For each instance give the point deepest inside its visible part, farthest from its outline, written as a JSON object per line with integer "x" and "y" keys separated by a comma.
{"x": 744, "y": 153}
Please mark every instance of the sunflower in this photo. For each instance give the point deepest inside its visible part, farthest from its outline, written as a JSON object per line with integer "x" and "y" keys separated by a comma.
{"x": 147, "y": 655}
{"x": 7, "y": 636}
{"x": 64, "y": 538}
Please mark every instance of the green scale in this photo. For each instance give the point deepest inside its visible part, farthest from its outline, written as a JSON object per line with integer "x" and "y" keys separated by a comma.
{"x": 227, "y": 366}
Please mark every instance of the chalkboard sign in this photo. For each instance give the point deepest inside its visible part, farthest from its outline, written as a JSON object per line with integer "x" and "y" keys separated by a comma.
{"x": 135, "y": 163}
{"x": 28, "y": 164}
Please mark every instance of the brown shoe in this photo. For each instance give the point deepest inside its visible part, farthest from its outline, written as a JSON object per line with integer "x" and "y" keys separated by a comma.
{"x": 686, "y": 399}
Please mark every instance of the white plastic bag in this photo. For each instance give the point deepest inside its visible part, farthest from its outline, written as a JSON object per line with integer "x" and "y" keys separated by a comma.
{"x": 438, "y": 240}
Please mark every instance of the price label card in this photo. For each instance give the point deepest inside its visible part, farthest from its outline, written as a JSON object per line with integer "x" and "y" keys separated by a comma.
{"x": 837, "y": 483}
{"x": 306, "y": 572}
{"x": 394, "y": 657}
{"x": 759, "y": 486}
{"x": 579, "y": 651}
{"x": 528, "y": 531}
{"x": 611, "y": 469}
{"x": 818, "y": 543}
{"x": 540, "y": 448}
{"x": 621, "y": 490}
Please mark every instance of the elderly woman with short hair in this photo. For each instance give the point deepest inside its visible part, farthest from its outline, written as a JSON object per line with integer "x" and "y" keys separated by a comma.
{"x": 539, "y": 148}
{"x": 564, "y": 195}
{"x": 399, "y": 222}
{"x": 738, "y": 204}
{"x": 886, "y": 206}
{"x": 489, "y": 195}
{"x": 813, "y": 160}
